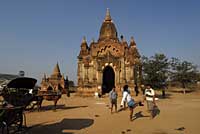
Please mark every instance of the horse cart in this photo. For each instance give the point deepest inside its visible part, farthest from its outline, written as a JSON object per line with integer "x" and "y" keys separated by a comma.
{"x": 20, "y": 95}
{"x": 16, "y": 98}
{"x": 49, "y": 96}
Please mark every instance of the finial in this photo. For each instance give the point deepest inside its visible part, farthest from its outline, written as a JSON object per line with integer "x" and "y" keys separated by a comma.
{"x": 84, "y": 39}
{"x": 93, "y": 40}
{"x": 108, "y": 17}
{"x": 44, "y": 76}
{"x": 56, "y": 69}
{"x": 132, "y": 39}
{"x": 132, "y": 43}
{"x": 57, "y": 65}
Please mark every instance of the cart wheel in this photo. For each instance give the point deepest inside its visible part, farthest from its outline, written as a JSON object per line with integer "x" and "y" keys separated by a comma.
{"x": 19, "y": 122}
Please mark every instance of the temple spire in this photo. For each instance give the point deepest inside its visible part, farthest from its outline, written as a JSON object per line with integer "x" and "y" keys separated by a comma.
{"x": 132, "y": 39}
{"x": 56, "y": 69}
{"x": 84, "y": 39}
{"x": 108, "y": 17}
{"x": 132, "y": 42}
{"x": 84, "y": 43}
{"x": 44, "y": 76}
{"x": 93, "y": 40}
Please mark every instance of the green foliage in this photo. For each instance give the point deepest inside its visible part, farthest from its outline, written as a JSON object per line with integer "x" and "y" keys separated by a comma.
{"x": 183, "y": 71}
{"x": 71, "y": 83}
{"x": 198, "y": 76}
{"x": 155, "y": 70}
{"x": 158, "y": 70}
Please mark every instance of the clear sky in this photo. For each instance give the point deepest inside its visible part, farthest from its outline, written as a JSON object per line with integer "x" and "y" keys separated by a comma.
{"x": 35, "y": 35}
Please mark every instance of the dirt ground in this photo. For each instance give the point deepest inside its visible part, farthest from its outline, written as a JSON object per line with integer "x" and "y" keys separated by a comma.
{"x": 179, "y": 114}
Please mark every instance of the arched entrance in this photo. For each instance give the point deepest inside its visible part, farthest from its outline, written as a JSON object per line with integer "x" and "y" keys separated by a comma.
{"x": 108, "y": 79}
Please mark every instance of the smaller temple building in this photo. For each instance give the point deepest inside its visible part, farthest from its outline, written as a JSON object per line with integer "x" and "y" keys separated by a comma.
{"x": 56, "y": 82}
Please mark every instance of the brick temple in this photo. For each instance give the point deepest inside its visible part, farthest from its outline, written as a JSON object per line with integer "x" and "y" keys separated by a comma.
{"x": 55, "y": 82}
{"x": 108, "y": 62}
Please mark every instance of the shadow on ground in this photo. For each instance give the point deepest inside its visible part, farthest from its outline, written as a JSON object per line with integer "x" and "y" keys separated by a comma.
{"x": 58, "y": 107}
{"x": 139, "y": 115}
{"x": 66, "y": 126}
{"x": 156, "y": 111}
{"x": 182, "y": 92}
{"x": 167, "y": 96}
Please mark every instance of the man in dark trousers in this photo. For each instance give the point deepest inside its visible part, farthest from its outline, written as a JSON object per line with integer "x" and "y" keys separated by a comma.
{"x": 136, "y": 90}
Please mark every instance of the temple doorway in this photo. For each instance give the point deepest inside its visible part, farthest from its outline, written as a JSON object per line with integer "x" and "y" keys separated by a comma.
{"x": 108, "y": 79}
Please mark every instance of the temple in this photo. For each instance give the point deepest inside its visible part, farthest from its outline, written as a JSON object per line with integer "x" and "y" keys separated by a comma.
{"x": 108, "y": 62}
{"x": 55, "y": 82}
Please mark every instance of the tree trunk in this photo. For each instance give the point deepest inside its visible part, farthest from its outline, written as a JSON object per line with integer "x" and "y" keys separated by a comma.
{"x": 183, "y": 84}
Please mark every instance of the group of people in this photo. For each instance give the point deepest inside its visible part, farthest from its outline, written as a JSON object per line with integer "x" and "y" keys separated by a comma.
{"x": 131, "y": 103}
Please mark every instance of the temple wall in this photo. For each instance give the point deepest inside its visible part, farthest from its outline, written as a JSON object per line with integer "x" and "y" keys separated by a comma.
{"x": 108, "y": 50}
{"x": 90, "y": 74}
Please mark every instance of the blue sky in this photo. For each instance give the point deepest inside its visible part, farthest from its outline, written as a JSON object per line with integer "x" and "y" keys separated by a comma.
{"x": 35, "y": 35}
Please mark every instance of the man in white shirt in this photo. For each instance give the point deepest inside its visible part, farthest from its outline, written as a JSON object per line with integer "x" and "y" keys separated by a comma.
{"x": 150, "y": 98}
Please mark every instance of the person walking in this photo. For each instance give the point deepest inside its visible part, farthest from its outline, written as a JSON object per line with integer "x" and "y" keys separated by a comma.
{"x": 123, "y": 101}
{"x": 150, "y": 99}
{"x": 136, "y": 90}
{"x": 130, "y": 101}
{"x": 113, "y": 99}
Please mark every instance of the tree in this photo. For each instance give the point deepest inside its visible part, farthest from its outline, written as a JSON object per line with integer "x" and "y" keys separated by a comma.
{"x": 155, "y": 70}
{"x": 183, "y": 71}
{"x": 71, "y": 83}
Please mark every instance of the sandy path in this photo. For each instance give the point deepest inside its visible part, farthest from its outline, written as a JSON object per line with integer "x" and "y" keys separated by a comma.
{"x": 91, "y": 116}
